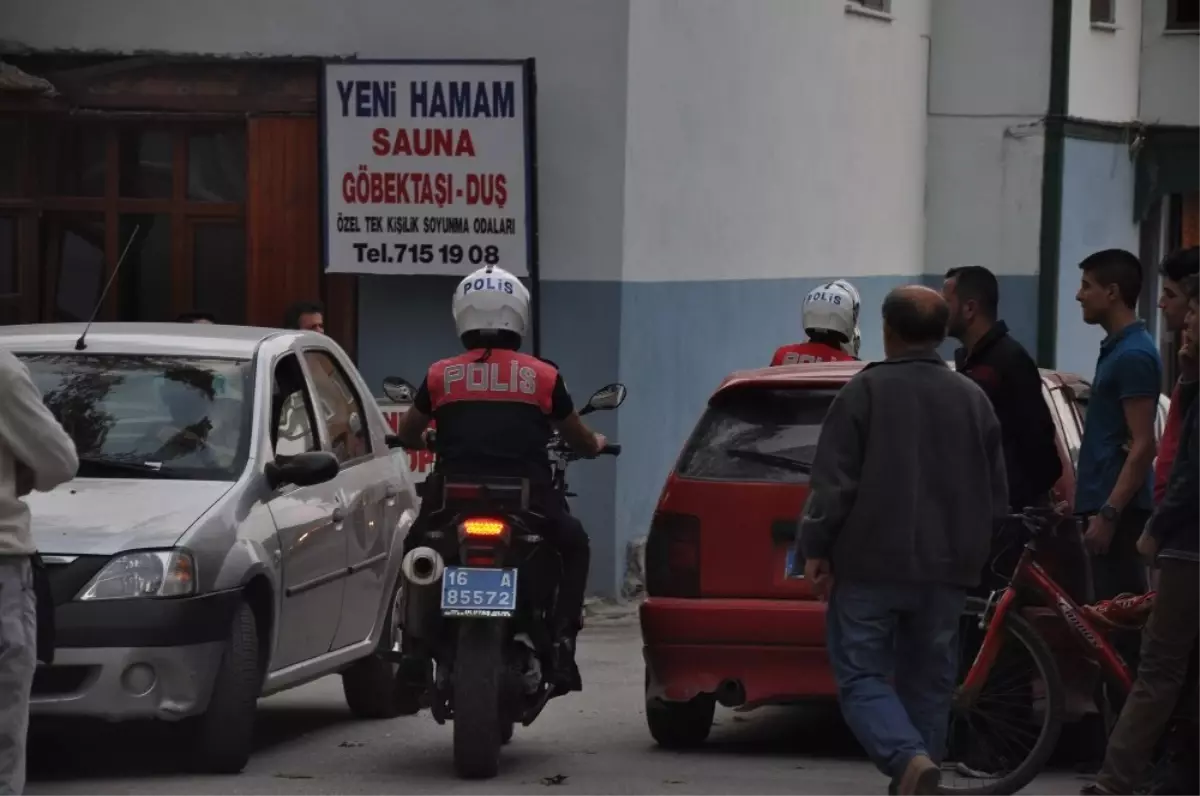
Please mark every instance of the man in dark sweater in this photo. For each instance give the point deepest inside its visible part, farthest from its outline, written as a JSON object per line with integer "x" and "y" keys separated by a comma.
{"x": 1172, "y": 537}
{"x": 907, "y": 483}
{"x": 1003, "y": 368}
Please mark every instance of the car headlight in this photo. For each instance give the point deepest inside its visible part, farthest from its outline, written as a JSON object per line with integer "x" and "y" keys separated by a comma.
{"x": 150, "y": 573}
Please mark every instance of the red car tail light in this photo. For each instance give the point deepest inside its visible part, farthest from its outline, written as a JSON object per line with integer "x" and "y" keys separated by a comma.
{"x": 673, "y": 556}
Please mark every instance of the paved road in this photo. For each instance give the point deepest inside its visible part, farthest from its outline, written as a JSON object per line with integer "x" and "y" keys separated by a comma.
{"x": 595, "y": 742}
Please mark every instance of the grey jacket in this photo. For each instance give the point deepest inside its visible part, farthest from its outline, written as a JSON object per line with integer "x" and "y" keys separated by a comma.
{"x": 908, "y": 479}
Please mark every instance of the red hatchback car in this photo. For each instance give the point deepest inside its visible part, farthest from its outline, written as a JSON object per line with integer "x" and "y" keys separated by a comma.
{"x": 722, "y": 623}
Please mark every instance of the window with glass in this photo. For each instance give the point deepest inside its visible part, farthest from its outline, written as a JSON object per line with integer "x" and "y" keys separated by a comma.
{"x": 1183, "y": 15}
{"x": 169, "y": 195}
{"x": 349, "y": 434}
{"x": 1102, "y": 12}
{"x": 150, "y": 416}
{"x": 757, "y": 434}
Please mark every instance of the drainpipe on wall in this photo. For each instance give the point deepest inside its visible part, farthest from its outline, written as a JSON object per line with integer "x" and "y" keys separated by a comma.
{"x": 1052, "y": 183}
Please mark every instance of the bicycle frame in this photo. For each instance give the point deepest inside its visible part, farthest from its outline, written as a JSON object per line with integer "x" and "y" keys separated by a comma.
{"x": 1030, "y": 576}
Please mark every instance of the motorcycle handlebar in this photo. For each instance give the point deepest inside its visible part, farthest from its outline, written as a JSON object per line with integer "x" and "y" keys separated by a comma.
{"x": 611, "y": 449}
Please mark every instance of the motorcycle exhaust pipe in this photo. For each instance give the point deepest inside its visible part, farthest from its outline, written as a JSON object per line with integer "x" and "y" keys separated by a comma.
{"x": 423, "y": 566}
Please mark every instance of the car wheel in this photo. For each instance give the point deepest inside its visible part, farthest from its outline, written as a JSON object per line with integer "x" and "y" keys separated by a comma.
{"x": 680, "y": 725}
{"x": 370, "y": 685}
{"x": 222, "y": 738}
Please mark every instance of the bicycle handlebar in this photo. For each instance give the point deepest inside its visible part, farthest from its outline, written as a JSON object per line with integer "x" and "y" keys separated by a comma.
{"x": 1040, "y": 519}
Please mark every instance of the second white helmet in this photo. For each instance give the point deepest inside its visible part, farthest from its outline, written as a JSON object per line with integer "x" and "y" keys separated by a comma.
{"x": 491, "y": 299}
{"x": 833, "y": 307}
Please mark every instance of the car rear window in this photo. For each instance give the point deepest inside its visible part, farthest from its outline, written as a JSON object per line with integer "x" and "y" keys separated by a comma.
{"x": 757, "y": 434}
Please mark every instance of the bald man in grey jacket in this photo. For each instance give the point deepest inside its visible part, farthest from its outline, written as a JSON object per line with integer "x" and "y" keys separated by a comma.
{"x": 35, "y": 453}
{"x": 907, "y": 483}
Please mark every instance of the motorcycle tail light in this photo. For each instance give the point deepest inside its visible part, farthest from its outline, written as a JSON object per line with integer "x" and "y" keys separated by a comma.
{"x": 482, "y": 528}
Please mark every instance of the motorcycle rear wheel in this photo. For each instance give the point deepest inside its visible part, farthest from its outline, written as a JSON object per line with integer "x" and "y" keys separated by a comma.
{"x": 478, "y": 674}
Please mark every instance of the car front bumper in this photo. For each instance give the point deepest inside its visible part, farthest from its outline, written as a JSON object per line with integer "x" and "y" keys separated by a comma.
{"x": 135, "y": 659}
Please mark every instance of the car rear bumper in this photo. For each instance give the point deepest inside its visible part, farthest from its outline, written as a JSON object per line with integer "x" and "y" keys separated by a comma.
{"x": 773, "y": 649}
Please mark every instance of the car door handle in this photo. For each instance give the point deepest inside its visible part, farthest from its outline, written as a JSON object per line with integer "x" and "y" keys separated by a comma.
{"x": 391, "y": 491}
{"x": 339, "y": 514}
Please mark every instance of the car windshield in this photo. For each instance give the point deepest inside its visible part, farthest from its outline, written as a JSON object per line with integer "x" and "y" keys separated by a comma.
{"x": 757, "y": 434}
{"x": 149, "y": 416}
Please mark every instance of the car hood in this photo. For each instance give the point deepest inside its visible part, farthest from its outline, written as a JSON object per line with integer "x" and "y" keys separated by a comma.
{"x": 103, "y": 516}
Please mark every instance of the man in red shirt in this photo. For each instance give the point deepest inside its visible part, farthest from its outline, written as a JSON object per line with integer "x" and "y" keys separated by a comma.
{"x": 1174, "y": 305}
{"x": 1176, "y": 271}
{"x": 830, "y": 318}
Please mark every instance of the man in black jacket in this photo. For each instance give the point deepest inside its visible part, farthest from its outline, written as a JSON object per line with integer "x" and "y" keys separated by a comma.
{"x": 991, "y": 358}
{"x": 1004, "y": 369}
{"x": 1172, "y": 537}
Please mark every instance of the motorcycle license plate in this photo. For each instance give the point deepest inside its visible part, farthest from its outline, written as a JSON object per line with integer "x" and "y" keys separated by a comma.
{"x": 479, "y": 592}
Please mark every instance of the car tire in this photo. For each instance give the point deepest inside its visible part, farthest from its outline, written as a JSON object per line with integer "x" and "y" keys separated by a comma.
{"x": 370, "y": 685}
{"x": 222, "y": 738}
{"x": 680, "y": 725}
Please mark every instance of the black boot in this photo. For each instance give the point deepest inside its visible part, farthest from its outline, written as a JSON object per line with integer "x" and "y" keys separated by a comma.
{"x": 566, "y": 671}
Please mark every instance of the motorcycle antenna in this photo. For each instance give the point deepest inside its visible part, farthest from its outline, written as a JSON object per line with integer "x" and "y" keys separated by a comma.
{"x": 81, "y": 343}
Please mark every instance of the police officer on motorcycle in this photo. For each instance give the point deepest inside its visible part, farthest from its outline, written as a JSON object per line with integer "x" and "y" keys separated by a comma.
{"x": 830, "y": 319}
{"x": 495, "y": 409}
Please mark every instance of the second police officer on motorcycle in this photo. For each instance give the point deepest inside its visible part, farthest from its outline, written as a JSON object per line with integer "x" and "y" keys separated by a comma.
{"x": 495, "y": 409}
{"x": 830, "y": 319}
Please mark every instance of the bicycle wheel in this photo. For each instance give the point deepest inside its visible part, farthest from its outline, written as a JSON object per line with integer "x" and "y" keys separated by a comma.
{"x": 1002, "y": 739}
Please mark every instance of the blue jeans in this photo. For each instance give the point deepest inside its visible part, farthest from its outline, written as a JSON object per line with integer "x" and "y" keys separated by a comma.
{"x": 894, "y": 652}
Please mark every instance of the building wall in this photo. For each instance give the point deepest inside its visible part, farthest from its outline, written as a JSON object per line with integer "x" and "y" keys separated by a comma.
{"x": 988, "y": 94}
{"x": 771, "y": 146}
{"x": 1104, "y": 65}
{"x": 1170, "y": 70}
{"x": 1097, "y": 213}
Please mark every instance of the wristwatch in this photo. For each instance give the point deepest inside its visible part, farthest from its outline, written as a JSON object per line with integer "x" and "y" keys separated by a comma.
{"x": 1109, "y": 513}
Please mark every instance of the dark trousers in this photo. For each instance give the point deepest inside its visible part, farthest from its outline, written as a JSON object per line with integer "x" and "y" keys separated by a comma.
{"x": 894, "y": 653}
{"x": 1121, "y": 570}
{"x": 568, "y": 536}
{"x": 1167, "y": 644}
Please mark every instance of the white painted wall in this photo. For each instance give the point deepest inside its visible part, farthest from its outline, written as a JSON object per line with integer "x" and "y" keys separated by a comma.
{"x": 581, "y": 71}
{"x": 1170, "y": 73}
{"x": 989, "y": 89}
{"x": 774, "y": 139}
{"x": 1104, "y": 70}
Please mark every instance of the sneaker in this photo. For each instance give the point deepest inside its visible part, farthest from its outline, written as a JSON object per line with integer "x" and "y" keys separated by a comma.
{"x": 921, "y": 776}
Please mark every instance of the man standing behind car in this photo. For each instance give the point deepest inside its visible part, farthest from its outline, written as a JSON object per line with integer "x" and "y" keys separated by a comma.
{"x": 35, "y": 453}
{"x": 1003, "y": 368}
{"x": 906, "y": 485}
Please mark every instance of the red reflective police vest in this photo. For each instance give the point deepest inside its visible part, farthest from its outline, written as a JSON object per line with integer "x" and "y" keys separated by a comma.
{"x": 798, "y": 353}
{"x": 502, "y": 376}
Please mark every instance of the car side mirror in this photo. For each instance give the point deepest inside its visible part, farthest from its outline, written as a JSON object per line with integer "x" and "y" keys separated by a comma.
{"x": 399, "y": 390}
{"x": 303, "y": 469}
{"x": 609, "y": 397}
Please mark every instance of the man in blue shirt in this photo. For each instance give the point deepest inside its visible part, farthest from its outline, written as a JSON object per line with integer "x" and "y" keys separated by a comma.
{"x": 1115, "y": 479}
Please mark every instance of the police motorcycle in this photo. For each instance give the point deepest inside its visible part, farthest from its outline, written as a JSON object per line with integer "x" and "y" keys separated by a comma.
{"x": 477, "y": 598}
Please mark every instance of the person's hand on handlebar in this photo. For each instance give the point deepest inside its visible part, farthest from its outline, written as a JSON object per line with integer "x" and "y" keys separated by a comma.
{"x": 601, "y": 442}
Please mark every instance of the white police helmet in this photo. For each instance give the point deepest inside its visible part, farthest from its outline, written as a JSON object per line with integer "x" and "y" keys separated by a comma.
{"x": 833, "y": 307}
{"x": 491, "y": 299}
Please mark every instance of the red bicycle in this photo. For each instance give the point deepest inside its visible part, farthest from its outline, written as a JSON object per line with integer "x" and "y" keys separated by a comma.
{"x": 1008, "y": 715}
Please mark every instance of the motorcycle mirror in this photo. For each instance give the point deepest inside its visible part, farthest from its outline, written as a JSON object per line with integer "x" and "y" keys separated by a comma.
{"x": 609, "y": 397}
{"x": 399, "y": 390}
